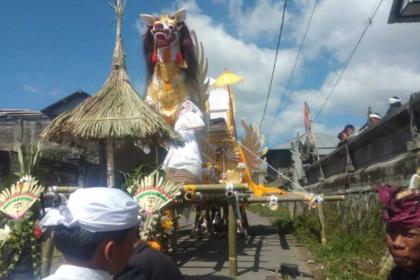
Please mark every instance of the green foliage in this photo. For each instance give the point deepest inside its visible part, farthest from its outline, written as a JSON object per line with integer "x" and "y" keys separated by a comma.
{"x": 141, "y": 171}
{"x": 264, "y": 211}
{"x": 28, "y": 159}
{"x": 20, "y": 242}
{"x": 354, "y": 237}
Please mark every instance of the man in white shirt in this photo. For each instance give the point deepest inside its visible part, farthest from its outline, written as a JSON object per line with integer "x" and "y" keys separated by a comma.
{"x": 95, "y": 232}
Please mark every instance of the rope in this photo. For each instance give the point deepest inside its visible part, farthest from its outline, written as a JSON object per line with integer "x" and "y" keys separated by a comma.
{"x": 298, "y": 187}
{"x": 238, "y": 211}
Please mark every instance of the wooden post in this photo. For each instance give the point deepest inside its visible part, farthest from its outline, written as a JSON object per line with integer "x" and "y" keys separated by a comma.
{"x": 349, "y": 166}
{"x": 292, "y": 209}
{"x": 156, "y": 155}
{"x": 322, "y": 222}
{"x": 47, "y": 253}
{"x": 321, "y": 171}
{"x": 232, "y": 228}
{"x": 110, "y": 177}
{"x": 174, "y": 236}
{"x": 81, "y": 171}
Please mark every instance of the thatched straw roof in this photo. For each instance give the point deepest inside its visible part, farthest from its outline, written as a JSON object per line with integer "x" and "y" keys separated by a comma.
{"x": 115, "y": 112}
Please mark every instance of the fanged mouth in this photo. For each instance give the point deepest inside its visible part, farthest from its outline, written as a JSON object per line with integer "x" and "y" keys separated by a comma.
{"x": 162, "y": 37}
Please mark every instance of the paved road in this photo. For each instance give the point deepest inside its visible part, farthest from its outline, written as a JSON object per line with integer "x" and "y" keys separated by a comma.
{"x": 259, "y": 255}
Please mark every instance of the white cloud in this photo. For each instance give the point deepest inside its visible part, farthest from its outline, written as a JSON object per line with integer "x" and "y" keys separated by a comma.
{"x": 338, "y": 24}
{"x": 30, "y": 88}
{"x": 259, "y": 21}
{"x": 254, "y": 63}
{"x": 384, "y": 65}
{"x": 246, "y": 59}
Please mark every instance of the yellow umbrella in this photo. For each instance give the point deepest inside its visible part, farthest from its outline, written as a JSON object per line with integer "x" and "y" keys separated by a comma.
{"x": 227, "y": 78}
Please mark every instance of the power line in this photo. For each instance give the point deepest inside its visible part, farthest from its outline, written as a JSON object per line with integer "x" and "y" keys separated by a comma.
{"x": 274, "y": 65}
{"x": 314, "y": 101}
{"x": 369, "y": 23}
{"x": 294, "y": 67}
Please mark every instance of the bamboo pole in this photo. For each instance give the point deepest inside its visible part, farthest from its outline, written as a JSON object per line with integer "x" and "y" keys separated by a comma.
{"x": 64, "y": 189}
{"x": 206, "y": 197}
{"x": 292, "y": 198}
{"x": 232, "y": 228}
{"x": 292, "y": 209}
{"x": 322, "y": 222}
{"x": 232, "y": 113}
{"x": 312, "y": 135}
{"x": 213, "y": 188}
{"x": 46, "y": 257}
{"x": 204, "y": 188}
{"x": 110, "y": 177}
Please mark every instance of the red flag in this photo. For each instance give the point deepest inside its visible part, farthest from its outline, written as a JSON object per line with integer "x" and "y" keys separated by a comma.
{"x": 307, "y": 117}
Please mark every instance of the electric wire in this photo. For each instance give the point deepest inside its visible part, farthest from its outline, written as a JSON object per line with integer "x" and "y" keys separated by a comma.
{"x": 274, "y": 64}
{"x": 294, "y": 67}
{"x": 347, "y": 62}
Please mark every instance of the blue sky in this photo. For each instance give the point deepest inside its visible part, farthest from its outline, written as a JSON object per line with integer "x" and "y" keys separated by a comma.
{"x": 51, "y": 48}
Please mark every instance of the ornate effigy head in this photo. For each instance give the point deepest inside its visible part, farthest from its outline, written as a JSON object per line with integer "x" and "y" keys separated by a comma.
{"x": 165, "y": 29}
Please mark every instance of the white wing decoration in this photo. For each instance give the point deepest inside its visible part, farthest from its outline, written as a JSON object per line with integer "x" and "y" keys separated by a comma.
{"x": 202, "y": 68}
{"x": 253, "y": 142}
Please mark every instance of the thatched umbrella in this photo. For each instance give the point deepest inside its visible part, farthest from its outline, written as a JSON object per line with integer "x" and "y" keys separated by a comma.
{"x": 116, "y": 112}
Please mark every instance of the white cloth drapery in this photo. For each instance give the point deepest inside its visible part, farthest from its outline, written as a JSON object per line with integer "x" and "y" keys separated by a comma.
{"x": 187, "y": 157}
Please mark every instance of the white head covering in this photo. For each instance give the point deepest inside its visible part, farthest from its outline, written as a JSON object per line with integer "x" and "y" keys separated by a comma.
{"x": 375, "y": 115}
{"x": 394, "y": 100}
{"x": 96, "y": 210}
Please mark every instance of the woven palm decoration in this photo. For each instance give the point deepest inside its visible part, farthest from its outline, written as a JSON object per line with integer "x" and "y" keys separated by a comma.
{"x": 18, "y": 199}
{"x": 152, "y": 193}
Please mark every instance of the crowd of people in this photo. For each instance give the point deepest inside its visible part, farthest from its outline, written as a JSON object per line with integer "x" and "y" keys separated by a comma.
{"x": 373, "y": 119}
{"x": 99, "y": 238}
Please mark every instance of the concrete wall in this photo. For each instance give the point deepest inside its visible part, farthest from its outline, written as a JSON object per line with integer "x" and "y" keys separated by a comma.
{"x": 394, "y": 141}
{"x": 388, "y": 152}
